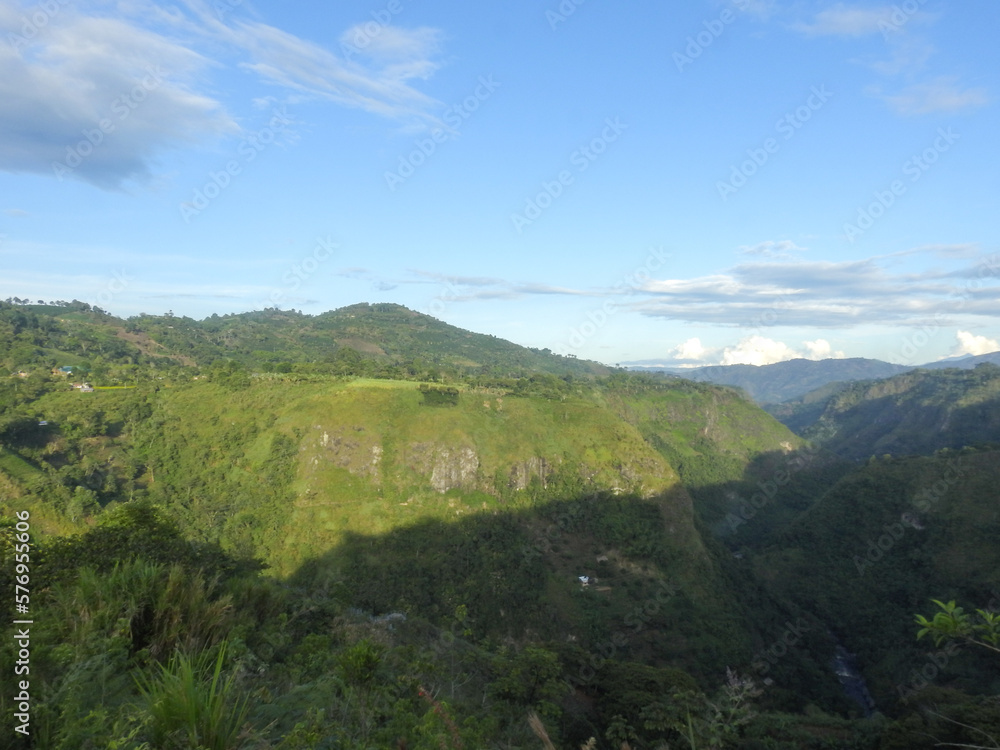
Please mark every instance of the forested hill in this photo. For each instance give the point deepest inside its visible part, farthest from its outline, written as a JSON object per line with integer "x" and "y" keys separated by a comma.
{"x": 916, "y": 413}
{"x": 380, "y": 340}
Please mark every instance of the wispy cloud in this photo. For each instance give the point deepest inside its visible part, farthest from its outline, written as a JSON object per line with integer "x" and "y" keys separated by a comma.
{"x": 381, "y": 87}
{"x": 777, "y": 290}
{"x": 910, "y": 55}
{"x": 101, "y": 97}
{"x": 782, "y": 249}
{"x": 473, "y": 288}
{"x": 943, "y": 94}
{"x": 819, "y": 294}
{"x": 844, "y": 20}
{"x": 104, "y": 92}
{"x": 957, "y": 251}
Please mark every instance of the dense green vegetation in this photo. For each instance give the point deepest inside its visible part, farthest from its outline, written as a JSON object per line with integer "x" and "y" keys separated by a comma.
{"x": 367, "y": 530}
{"x": 381, "y": 341}
{"x": 911, "y": 414}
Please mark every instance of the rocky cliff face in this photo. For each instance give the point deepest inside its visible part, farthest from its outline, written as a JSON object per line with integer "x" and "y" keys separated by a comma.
{"x": 443, "y": 466}
{"x": 454, "y": 469}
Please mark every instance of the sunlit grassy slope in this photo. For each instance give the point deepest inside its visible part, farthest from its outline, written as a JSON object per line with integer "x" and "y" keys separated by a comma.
{"x": 426, "y": 498}
{"x": 369, "y": 456}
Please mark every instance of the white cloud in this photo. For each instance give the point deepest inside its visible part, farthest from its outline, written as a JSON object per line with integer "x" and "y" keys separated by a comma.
{"x": 841, "y": 20}
{"x": 757, "y": 350}
{"x": 821, "y": 349}
{"x": 393, "y": 44}
{"x": 313, "y": 71}
{"x": 969, "y": 343}
{"x": 763, "y": 9}
{"x": 144, "y": 73}
{"x": 825, "y": 294}
{"x": 101, "y": 97}
{"x": 909, "y": 55}
{"x": 943, "y": 94}
{"x": 782, "y": 249}
{"x": 691, "y": 349}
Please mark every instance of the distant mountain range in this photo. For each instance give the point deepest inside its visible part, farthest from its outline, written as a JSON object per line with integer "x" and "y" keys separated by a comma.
{"x": 784, "y": 381}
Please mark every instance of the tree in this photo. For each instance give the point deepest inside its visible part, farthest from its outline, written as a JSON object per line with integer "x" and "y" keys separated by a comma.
{"x": 953, "y": 623}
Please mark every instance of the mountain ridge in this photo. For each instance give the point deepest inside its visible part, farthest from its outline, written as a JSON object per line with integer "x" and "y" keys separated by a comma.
{"x": 783, "y": 381}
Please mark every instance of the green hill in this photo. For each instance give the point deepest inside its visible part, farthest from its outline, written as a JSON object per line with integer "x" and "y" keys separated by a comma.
{"x": 382, "y": 340}
{"x": 427, "y": 500}
{"x": 911, "y": 414}
{"x": 293, "y": 470}
{"x": 400, "y": 478}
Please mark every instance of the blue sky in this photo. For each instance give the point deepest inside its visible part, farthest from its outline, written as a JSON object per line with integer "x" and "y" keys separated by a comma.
{"x": 693, "y": 183}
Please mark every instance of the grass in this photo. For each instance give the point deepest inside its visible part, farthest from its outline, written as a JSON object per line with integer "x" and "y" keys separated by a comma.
{"x": 192, "y": 705}
{"x": 17, "y": 467}
{"x": 369, "y": 451}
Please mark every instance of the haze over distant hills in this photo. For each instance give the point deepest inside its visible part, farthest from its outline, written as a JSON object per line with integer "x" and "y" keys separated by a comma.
{"x": 783, "y": 381}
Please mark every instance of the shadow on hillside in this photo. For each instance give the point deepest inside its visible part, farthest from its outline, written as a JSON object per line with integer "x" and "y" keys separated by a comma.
{"x": 658, "y": 592}
{"x": 886, "y": 426}
{"x": 863, "y": 548}
{"x": 775, "y": 489}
